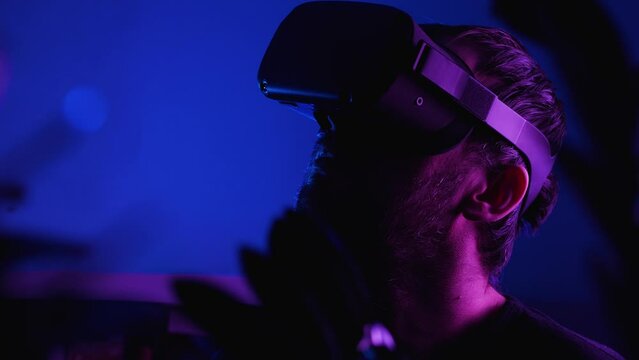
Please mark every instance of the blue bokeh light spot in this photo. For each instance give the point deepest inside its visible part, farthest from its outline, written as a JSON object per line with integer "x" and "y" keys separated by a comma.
{"x": 85, "y": 109}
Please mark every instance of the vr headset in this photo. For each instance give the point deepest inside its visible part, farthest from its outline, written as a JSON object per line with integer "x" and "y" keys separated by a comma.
{"x": 328, "y": 57}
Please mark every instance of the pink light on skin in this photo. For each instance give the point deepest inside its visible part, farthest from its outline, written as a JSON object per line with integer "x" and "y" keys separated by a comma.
{"x": 4, "y": 75}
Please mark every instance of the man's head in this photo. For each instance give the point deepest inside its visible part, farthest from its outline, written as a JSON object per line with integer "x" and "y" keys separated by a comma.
{"x": 502, "y": 64}
{"x": 373, "y": 179}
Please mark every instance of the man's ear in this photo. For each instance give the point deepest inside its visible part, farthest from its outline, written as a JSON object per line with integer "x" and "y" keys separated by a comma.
{"x": 497, "y": 196}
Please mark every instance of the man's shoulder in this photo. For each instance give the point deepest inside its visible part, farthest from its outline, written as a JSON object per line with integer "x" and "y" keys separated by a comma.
{"x": 526, "y": 327}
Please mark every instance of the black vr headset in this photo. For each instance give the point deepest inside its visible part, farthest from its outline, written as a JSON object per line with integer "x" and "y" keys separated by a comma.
{"x": 326, "y": 57}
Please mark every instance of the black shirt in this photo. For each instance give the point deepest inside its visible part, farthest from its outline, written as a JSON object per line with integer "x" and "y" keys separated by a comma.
{"x": 517, "y": 331}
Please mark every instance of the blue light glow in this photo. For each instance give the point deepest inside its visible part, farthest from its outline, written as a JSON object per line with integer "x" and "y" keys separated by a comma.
{"x": 85, "y": 109}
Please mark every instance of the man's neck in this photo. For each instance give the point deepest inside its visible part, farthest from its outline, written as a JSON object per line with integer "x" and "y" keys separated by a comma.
{"x": 434, "y": 312}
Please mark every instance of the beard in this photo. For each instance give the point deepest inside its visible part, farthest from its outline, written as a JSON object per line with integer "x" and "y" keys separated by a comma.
{"x": 417, "y": 229}
{"x": 393, "y": 214}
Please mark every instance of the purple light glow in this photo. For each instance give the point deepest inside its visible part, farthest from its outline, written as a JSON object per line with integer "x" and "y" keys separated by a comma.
{"x": 376, "y": 335}
{"x": 4, "y": 75}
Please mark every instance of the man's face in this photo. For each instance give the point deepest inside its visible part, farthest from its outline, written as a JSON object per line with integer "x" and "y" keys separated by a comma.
{"x": 357, "y": 168}
{"x": 377, "y": 185}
